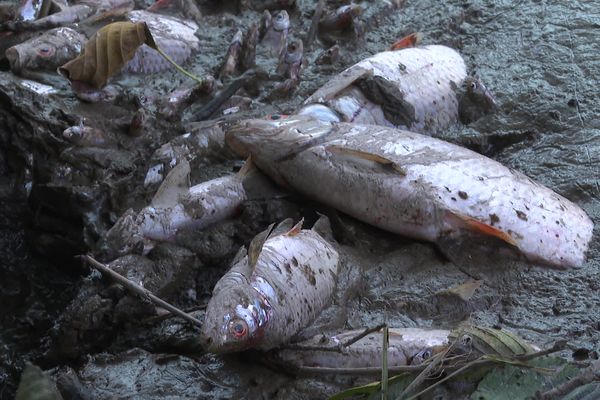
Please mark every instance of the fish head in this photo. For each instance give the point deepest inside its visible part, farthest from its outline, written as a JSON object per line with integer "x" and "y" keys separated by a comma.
{"x": 235, "y": 319}
{"x": 45, "y": 52}
{"x": 281, "y": 21}
{"x": 268, "y": 141}
{"x": 74, "y": 133}
{"x": 479, "y": 94}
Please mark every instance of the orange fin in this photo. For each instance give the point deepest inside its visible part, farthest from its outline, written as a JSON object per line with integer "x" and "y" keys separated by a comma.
{"x": 485, "y": 229}
{"x": 295, "y": 229}
{"x": 407, "y": 41}
{"x": 363, "y": 155}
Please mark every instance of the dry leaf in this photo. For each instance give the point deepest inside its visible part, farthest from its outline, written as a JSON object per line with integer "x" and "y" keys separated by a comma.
{"x": 106, "y": 52}
{"x": 464, "y": 291}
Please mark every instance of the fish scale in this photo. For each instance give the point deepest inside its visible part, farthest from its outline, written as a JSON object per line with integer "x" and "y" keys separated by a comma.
{"x": 292, "y": 281}
{"x": 417, "y": 186}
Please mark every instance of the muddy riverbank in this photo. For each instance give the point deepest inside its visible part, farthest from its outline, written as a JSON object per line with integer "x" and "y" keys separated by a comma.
{"x": 537, "y": 57}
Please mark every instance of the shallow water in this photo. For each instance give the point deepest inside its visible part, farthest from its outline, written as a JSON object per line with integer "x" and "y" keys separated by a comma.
{"x": 537, "y": 57}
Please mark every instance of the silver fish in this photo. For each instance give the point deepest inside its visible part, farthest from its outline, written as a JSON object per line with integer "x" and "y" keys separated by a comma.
{"x": 273, "y": 292}
{"x": 417, "y": 186}
{"x": 407, "y": 346}
{"x": 176, "y": 37}
{"x": 46, "y": 52}
{"x": 414, "y": 89}
{"x": 275, "y": 30}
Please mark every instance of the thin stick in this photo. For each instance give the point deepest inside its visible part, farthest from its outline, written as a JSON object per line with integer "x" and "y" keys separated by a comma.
{"x": 361, "y": 370}
{"x": 356, "y": 338}
{"x": 558, "y": 346}
{"x": 341, "y": 346}
{"x": 561, "y": 391}
{"x": 142, "y": 292}
{"x": 209, "y": 108}
{"x": 384, "y": 363}
{"x": 314, "y": 26}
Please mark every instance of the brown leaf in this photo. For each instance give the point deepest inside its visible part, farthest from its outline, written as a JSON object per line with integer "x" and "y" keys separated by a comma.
{"x": 106, "y": 53}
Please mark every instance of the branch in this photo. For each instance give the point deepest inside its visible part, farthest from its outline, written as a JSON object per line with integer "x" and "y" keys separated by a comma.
{"x": 588, "y": 376}
{"x": 140, "y": 291}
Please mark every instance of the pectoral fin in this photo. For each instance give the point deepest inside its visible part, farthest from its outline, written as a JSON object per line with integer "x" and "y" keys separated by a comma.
{"x": 175, "y": 185}
{"x": 477, "y": 226}
{"x": 359, "y": 156}
{"x": 295, "y": 229}
{"x": 340, "y": 82}
{"x": 256, "y": 245}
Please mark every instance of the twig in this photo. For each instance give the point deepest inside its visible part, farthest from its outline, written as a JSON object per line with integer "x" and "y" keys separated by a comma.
{"x": 314, "y": 26}
{"x": 589, "y": 376}
{"x": 142, "y": 292}
{"x": 558, "y": 346}
{"x": 356, "y": 338}
{"x": 384, "y": 363}
{"x": 361, "y": 370}
{"x": 341, "y": 346}
{"x": 209, "y": 108}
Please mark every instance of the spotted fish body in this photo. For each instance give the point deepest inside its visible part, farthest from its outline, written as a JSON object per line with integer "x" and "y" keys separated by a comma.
{"x": 426, "y": 78}
{"x": 407, "y": 346}
{"x": 416, "y": 185}
{"x": 264, "y": 305}
{"x": 172, "y": 35}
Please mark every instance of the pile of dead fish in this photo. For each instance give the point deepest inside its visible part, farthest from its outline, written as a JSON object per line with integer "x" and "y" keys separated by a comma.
{"x": 360, "y": 145}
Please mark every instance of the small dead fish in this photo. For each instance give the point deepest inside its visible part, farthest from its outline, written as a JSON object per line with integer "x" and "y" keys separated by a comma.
{"x": 176, "y": 37}
{"x": 46, "y": 52}
{"x": 417, "y": 186}
{"x": 175, "y": 102}
{"x": 329, "y": 56}
{"x": 475, "y": 100}
{"x": 233, "y": 53}
{"x": 138, "y": 123}
{"x": 275, "y": 290}
{"x": 290, "y": 62}
{"x": 87, "y": 136}
{"x": 275, "y": 27}
{"x": 407, "y": 346}
{"x": 344, "y": 17}
{"x": 248, "y": 56}
{"x": 412, "y": 89}
{"x": 407, "y": 41}
{"x": 30, "y": 10}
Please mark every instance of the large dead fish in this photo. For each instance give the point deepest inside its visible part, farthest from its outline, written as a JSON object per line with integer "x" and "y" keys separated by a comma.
{"x": 273, "y": 292}
{"x": 416, "y": 186}
{"x": 415, "y": 89}
{"x": 407, "y": 346}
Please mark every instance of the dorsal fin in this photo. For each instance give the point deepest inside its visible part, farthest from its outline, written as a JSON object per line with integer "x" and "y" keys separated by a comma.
{"x": 176, "y": 183}
{"x": 247, "y": 168}
{"x": 323, "y": 228}
{"x": 282, "y": 227}
{"x": 353, "y": 154}
{"x": 295, "y": 229}
{"x": 256, "y": 245}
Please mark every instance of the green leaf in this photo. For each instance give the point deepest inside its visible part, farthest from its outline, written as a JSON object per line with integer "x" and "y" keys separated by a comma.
{"x": 395, "y": 386}
{"x": 515, "y": 383}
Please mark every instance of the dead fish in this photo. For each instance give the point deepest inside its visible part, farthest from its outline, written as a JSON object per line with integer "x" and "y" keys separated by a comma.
{"x": 329, "y": 56}
{"x": 290, "y": 62}
{"x": 414, "y": 89}
{"x": 188, "y": 8}
{"x": 342, "y": 18}
{"x": 46, "y": 52}
{"x": 275, "y": 29}
{"x": 8, "y": 11}
{"x": 30, "y": 10}
{"x": 176, "y": 37}
{"x": 87, "y": 136}
{"x": 273, "y": 291}
{"x": 231, "y": 59}
{"x": 248, "y": 56}
{"x": 418, "y": 186}
{"x": 407, "y": 346}
{"x": 138, "y": 123}
{"x": 175, "y": 102}
{"x": 475, "y": 99}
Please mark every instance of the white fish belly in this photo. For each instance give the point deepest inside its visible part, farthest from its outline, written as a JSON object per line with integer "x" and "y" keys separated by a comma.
{"x": 297, "y": 274}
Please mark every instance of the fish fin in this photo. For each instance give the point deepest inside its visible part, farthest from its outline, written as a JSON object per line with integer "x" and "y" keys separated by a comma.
{"x": 295, "y": 229}
{"x": 176, "y": 184}
{"x": 337, "y": 84}
{"x": 390, "y": 98}
{"x": 407, "y": 41}
{"x": 363, "y": 155}
{"x": 282, "y": 227}
{"x": 247, "y": 168}
{"x": 323, "y": 228}
{"x": 477, "y": 226}
{"x": 256, "y": 245}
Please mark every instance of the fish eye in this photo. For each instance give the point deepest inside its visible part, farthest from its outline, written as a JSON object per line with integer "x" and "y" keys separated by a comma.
{"x": 238, "y": 328}
{"x": 275, "y": 117}
{"x": 279, "y": 16}
{"x": 473, "y": 85}
{"x": 45, "y": 51}
{"x": 425, "y": 354}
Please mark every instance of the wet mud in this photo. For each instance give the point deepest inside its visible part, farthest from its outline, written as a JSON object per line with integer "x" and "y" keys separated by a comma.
{"x": 536, "y": 56}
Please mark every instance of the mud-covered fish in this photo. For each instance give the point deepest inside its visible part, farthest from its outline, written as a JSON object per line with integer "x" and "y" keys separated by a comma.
{"x": 233, "y": 53}
{"x": 414, "y": 88}
{"x": 47, "y": 51}
{"x": 275, "y": 29}
{"x": 176, "y": 37}
{"x": 272, "y": 292}
{"x": 342, "y": 18}
{"x": 290, "y": 61}
{"x": 87, "y": 136}
{"x": 417, "y": 186}
{"x": 407, "y": 346}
